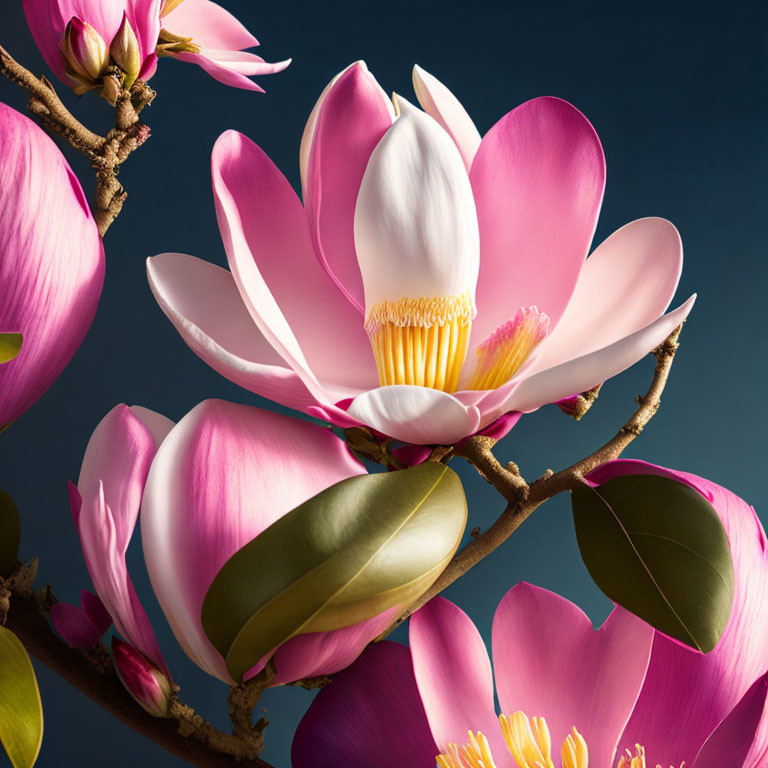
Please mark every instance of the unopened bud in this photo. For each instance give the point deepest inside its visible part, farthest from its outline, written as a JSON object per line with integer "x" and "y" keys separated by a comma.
{"x": 126, "y": 52}
{"x": 168, "y": 6}
{"x": 85, "y": 52}
{"x": 142, "y": 679}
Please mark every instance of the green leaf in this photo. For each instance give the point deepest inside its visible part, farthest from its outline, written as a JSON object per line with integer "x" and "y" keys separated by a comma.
{"x": 658, "y": 548}
{"x": 10, "y": 346}
{"x": 21, "y": 712}
{"x": 360, "y": 547}
{"x": 10, "y": 534}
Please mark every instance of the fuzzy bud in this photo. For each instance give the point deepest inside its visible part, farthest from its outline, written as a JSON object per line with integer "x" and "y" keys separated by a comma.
{"x": 85, "y": 52}
{"x": 126, "y": 52}
{"x": 142, "y": 679}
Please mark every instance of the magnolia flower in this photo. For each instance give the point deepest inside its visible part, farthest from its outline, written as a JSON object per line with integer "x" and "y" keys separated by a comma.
{"x": 407, "y": 294}
{"x": 218, "y": 478}
{"x": 81, "y": 39}
{"x": 622, "y": 696}
{"x": 51, "y": 262}
{"x": 203, "y": 33}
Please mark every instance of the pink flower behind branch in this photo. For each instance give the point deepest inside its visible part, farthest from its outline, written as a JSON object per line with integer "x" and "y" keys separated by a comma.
{"x": 51, "y": 262}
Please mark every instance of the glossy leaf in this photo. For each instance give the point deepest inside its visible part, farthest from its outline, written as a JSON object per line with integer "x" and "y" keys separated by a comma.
{"x": 10, "y": 346}
{"x": 658, "y": 548}
{"x": 358, "y": 548}
{"x": 10, "y": 534}
{"x": 21, "y": 712}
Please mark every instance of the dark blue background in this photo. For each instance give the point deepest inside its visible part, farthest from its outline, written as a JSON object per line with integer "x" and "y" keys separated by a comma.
{"x": 677, "y": 92}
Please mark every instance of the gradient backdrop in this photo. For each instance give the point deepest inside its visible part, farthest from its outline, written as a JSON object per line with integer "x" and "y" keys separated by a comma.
{"x": 675, "y": 90}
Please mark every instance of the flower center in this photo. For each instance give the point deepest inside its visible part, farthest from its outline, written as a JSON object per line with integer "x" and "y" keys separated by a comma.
{"x": 421, "y": 341}
{"x": 503, "y": 353}
{"x": 530, "y": 744}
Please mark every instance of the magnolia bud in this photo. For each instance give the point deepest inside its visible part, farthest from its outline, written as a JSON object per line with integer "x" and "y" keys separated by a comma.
{"x": 126, "y": 52}
{"x": 168, "y": 6}
{"x": 85, "y": 52}
{"x": 142, "y": 679}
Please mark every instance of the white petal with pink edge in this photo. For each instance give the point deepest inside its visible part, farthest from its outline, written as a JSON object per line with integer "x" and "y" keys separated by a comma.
{"x": 627, "y": 283}
{"x": 416, "y": 414}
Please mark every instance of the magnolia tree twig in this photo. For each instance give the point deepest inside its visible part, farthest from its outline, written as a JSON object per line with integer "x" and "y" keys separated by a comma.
{"x": 184, "y": 734}
{"x": 106, "y": 153}
{"x": 523, "y": 498}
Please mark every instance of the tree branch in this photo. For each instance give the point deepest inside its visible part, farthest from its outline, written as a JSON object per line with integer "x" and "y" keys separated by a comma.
{"x": 523, "y": 498}
{"x": 185, "y": 735}
{"x": 106, "y": 153}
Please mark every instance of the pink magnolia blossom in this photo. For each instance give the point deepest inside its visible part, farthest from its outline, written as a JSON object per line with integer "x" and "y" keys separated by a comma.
{"x": 51, "y": 262}
{"x": 206, "y": 487}
{"x": 407, "y": 294}
{"x": 80, "y": 38}
{"x": 623, "y": 695}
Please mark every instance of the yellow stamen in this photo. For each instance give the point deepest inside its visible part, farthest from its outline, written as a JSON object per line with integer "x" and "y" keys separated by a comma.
{"x": 529, "y": 743}
{"x": 168, "y": 6}
{"x": 637, "y": 760}
{"x": 503, "y": 353}
{"x": 575, "y": 753}
{"x": 421, "y": 341}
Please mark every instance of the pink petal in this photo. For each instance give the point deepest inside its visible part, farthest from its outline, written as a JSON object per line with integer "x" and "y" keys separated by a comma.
{"x": 582, "y": 373}
{"x": 203, "y": 303}
{"x": 687, "y": 694}
{"x": 371, "y": 716}
{"x": 52, "y": 265}
{"x": 550, "y": 662}
{"x": 437, "y": 101}
{"x": 538, "y": 179}
{"x": 224, "y": 474}
{"x": 733, "y": 742}
{"x": 74, "y": 626}
{"x": 453, "y": 673}
{"x": 627, "y": 283}
{"x": 232, "y": 68}
{"x": 94, "y": 609}
{"x": 144, "y": 17}
{"x": 308, "y": 135}
{"x": 415, "y": 414}
{"x": 352, "y": 118}
{"x": 323, "y": 653}
{"x": 290, "y": 297}
{"x": 115, "y": 468}
{"x": 209, "y": 25}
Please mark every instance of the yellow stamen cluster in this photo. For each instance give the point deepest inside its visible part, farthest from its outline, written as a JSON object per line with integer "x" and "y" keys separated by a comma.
{"x": 476, "y": 753}
{"x": 636, "y": 760}
{"x": 528, "y": 742}
{"x": 421, "y": 341}
{"x": 502, "y": 354}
